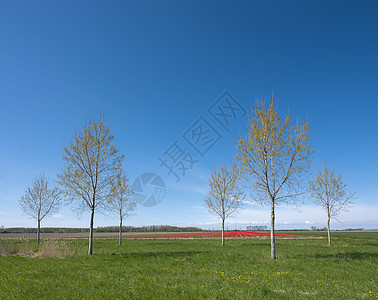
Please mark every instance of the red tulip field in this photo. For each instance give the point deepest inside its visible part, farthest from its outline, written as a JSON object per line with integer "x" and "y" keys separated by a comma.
{"x": 214, "y": 234}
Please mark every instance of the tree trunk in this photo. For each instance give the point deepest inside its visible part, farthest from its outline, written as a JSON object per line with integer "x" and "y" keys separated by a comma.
{"x": 120, "y": 229}
{"x": 222, "y": 232}
{"x": 38, "y": 230}
{"x": 91, "y": 233}
{"x": 329, "y": 231}
{"x": 272, "y": 238}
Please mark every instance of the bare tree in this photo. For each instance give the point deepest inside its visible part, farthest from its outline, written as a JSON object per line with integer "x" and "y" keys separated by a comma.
{"x": 91, "y": 164}
{"x": 329, "y": 191}
{"x": 274, "y": 157}
{"x": 39, "y": 201}
{"x": 225, "y": 196}
{"x": 122, "y": 201}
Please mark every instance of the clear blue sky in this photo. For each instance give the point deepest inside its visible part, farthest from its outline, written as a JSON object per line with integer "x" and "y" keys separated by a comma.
{"x": 155, "y": 67}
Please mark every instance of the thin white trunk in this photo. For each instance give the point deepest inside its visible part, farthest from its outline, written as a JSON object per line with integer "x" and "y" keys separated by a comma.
{"x": 38, "y": 230}
{"x": 120, "y": 229}
{"x": 222, "y": 232}
{"x": 91, "y": 233}
{"x": 272, "y": 238}
{"x": 329, "y": 231}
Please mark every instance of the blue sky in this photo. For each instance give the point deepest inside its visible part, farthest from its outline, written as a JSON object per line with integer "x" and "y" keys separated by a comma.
{"x": 155, "y": 67}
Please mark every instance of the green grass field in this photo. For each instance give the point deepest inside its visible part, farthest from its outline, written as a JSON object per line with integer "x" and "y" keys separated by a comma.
{"x": 195, "y": 269}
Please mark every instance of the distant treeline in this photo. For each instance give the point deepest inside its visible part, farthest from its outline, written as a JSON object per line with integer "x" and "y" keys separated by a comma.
{"x": 43, "y": 230}
{"x": 155, "y": 228}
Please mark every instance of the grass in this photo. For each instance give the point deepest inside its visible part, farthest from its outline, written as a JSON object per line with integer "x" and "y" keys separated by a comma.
{"x": 194, "y": 269}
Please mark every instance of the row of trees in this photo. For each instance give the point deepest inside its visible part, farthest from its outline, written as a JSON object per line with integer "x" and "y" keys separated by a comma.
{"x": 272, "y": 162}
{"x": 92, "y": 178}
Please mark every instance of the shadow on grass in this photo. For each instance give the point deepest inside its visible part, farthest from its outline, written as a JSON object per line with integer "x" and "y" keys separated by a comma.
{"x": 344, "y": 256}
{"x": 159, "y": 254}
{"x": 253, "y": 245}
{"x": 366, "y": 244}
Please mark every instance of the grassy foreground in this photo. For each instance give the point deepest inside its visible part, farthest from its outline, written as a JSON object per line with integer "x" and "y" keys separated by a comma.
{"x": 194, "y": 269}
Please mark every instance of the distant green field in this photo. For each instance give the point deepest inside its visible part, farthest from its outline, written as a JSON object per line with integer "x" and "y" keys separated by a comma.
{"x": 356, "y": 234}
{"x": 193, "y": 269}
